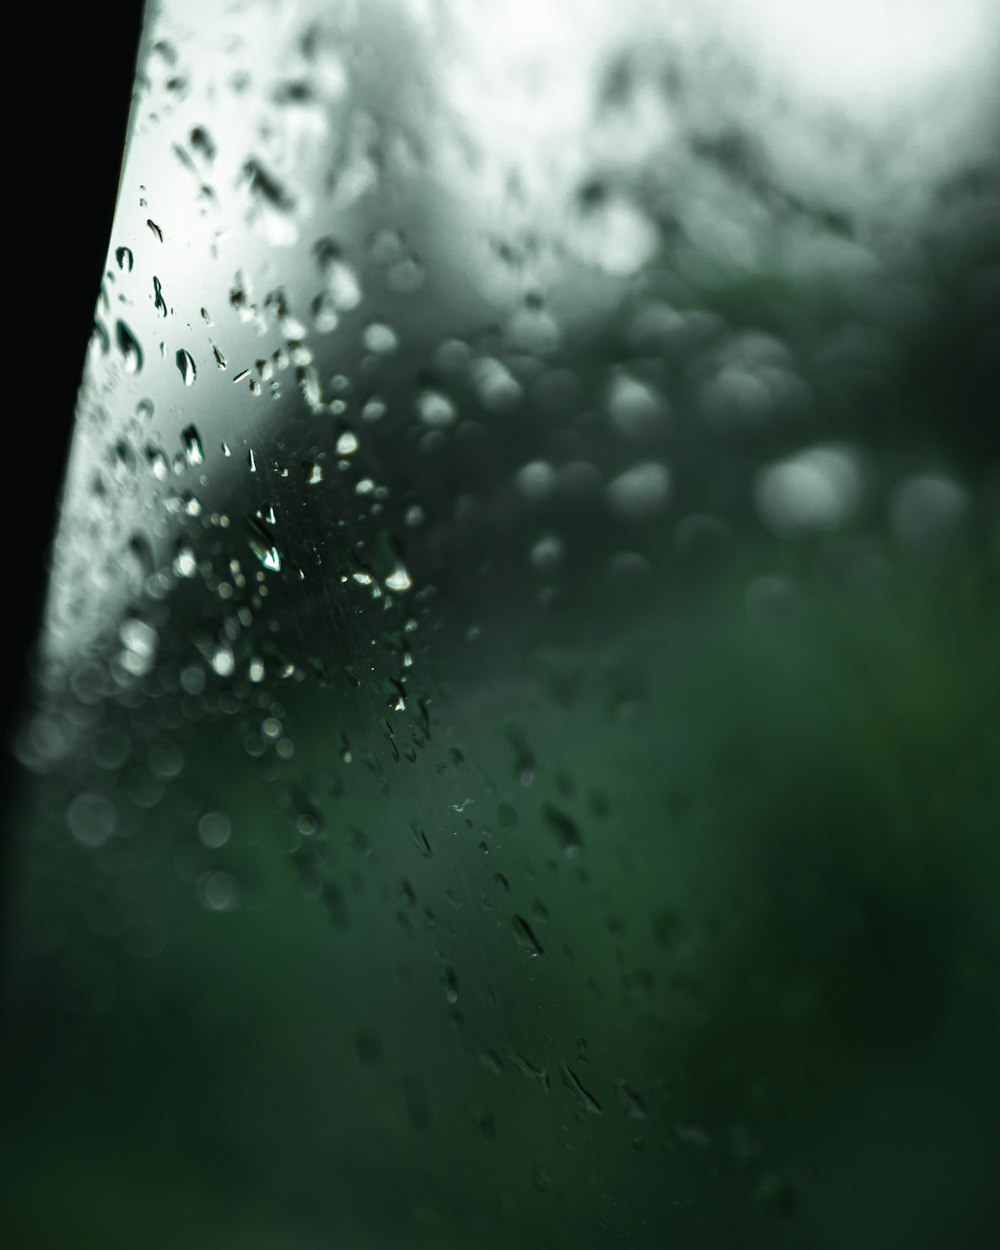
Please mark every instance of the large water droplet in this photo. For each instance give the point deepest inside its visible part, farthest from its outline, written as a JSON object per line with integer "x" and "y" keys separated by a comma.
{"x": 129, "y": 347}
{"x": 186, "y": 367}
{"x": 263, "y": 546}
{"x": 193, "y": 449}
{"x": 159, "y": 303}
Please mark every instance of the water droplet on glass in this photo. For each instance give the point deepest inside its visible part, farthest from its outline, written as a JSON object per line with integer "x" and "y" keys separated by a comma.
{"x": 525, "y": 936}
{"x": 263, "y": 546}
{"x": 123, "y": 255}
{"x": 347, "y": 443}
{"x": 129, "y": 347}
{"x": 185, "y": 564}
{"x": 193, "y": 449}
{"x": 202, "y": 143}
{"x": 186, "y": 367}
{"x": 398, "y": 580}
{"x": 223, "y": 660}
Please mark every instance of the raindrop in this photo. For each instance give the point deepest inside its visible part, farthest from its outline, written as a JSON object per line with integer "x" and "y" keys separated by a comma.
{"x": 129, "y": 347}
{"x": 273, "y": 207}
{"x": 587, "y": 1099}
{"x": 202, "y": 143}
{"x": 341, "y": 281}
{"x": 123, "y": 255}
{"x": 159, "y": 303}
{"x": 263, "y": 546}
{"x": 347, "y": 443}
{"x": 526, "y": 936}
{"x": 565, "y": 829}
{"x": 157, "y": 232}
{"x": 186, "y": 367}
{"x": 193, "y": 450}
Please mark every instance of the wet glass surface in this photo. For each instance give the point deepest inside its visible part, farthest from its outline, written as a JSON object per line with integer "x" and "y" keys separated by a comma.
{"x": 515, "y": 750}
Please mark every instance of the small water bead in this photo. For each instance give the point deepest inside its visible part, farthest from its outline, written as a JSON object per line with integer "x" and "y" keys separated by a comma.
{"x": 125, "y": 259}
